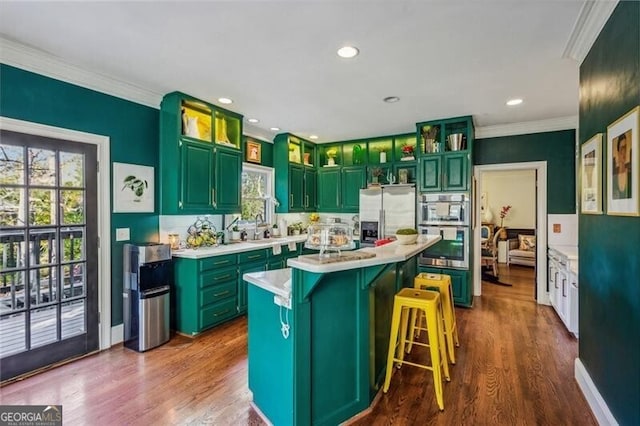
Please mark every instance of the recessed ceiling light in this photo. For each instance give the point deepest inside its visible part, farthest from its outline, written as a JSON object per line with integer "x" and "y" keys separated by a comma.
{"x": 225, "y": 101}
{"x": 275, "y": 129}
{"x": 391, "y": 99}
{"x": 513, "y": 102}
{"x": 253, "y": 120}
{"x": 348, "y": 52}
{"x": 313, "y": 137}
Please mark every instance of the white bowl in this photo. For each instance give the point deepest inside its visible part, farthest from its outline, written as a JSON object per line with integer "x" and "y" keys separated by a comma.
{"x": 406, "y": 239}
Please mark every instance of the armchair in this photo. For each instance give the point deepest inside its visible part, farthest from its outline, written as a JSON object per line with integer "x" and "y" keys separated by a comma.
{"x": 522, "y": 251}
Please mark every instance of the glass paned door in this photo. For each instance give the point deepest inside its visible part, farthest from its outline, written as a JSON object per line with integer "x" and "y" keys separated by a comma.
{"x": 48, "y": 252}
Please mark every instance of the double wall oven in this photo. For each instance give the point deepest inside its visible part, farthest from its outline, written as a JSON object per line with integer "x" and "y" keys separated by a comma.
{"x": 447, "y": 215}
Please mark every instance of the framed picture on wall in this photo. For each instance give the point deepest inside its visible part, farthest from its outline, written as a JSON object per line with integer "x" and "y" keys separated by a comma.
{"x": 254, "y": 153}
{"x": 623, "y": 156}
{"x": 133, "y": 188}
{"x": 591, "y": 175}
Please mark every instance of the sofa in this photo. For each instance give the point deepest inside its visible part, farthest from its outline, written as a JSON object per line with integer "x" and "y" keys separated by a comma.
{"x": 522, "y": 250}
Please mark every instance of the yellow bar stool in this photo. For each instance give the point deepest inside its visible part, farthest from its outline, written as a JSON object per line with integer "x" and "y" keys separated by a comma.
{"x": 441, "y": 283}
{"x": 428, "y": 302}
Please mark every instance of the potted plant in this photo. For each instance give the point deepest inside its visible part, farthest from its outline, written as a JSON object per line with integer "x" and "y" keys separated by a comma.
{"x": 376, "y": 172}
{"x": 235, "y": 233}
{"x": 275, "y": 231}
{"x": 407, "y": 153}
{"x": 331, "y": 154}
{"x": 503, "y": 213}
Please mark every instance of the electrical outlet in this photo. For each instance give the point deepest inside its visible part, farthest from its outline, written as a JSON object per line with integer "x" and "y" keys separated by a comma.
{"x": 282, "y": 301}
{"x": 557, "y": 228}
{"x": 122, "y": 234}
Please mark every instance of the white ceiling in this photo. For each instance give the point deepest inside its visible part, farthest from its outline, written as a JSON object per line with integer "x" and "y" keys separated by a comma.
{"x": 277, "y": 59}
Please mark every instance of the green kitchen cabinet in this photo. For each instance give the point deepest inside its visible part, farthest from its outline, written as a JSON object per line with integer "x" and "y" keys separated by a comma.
{"x": 242, "y": 284}
{"x": 296, "y": 188}
{"x": 228, "y": 178}
{"x": 310, "y": 189}
{"x": 200, "y": 158}
{"x": 329, "y": 189}
{"x": 197, "y": 177}
{"x": 460, "y": 284}
{"x": 204, "y": 292}
{"x": 353, "y": 179}
{"x": 276, "y": 262}
{"x": 445, "y": 150}
{"x": 294, "y": 162}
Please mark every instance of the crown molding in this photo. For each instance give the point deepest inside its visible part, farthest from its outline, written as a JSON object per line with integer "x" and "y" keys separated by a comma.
{"x": 592, "y": 18}
{"x": 31, "y": 59}
{"x": 526, "y": 127}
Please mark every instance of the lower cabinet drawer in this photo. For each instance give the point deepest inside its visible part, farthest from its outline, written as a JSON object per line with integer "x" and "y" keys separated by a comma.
{"x": 217, "y": 293}
{"x": 212, "y": 315}
{"x": 215, "y": 276}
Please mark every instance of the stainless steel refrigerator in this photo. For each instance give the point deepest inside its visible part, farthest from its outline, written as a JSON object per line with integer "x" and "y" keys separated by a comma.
{"x": 385, "y": 209}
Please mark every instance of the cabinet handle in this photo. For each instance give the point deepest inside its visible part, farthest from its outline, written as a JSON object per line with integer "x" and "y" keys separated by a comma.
{"x": 221, "y": 294}
{"x": 254, "y": 256}
{"x": 213, "y": 198}
{"x": 217, "y": 314}
{"x": 555, "y": 279}
{"x": 224, "y": 277}
{"x": 306, "y": 202}
{"x": 224, "y": 262}
{"x": 564, "y": 282}
{"x": 291, "y": 200}
{"x": 179, "y": 204}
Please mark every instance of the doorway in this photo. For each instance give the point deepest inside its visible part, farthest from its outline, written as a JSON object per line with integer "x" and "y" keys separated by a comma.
{"x": 540, "y": 168}
{"x": 49, "y": 252}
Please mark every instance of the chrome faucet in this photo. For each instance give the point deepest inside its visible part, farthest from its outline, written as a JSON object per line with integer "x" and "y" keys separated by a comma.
{"x": 256, "y": 234}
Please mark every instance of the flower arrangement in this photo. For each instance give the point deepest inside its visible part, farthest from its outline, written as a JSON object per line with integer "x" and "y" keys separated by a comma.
{"x": 376, "y": 172}
{"x": 407, "y": 151}
{"x": 503, "y": 213}
{"x": 332, "y": 152}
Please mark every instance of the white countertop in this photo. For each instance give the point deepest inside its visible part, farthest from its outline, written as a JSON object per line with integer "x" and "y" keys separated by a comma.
{"x": 571, "y": 252}
{"x": 277, "y": 281}
{"x": 232, "y": 248}
{"x": 388, "y": 253}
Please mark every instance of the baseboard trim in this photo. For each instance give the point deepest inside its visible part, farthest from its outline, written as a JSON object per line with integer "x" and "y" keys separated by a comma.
{"x": 117, "y": 334}
{"x": 594, "y": 399}
{"x": 260, "y": 413}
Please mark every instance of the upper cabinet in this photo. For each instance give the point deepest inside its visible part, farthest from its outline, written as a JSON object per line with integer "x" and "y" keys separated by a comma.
{"x": 200, "y": 157}
{"x": 294, "y": 161}
{"x": 445, "y": 150}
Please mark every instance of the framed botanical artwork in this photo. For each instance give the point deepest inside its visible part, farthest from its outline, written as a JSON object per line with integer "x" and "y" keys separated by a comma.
{"x": 623, "y": 156}
{"x": 591, "y": 175}
{"x": 254, "y": 153}
{"x": 132, "y": 188}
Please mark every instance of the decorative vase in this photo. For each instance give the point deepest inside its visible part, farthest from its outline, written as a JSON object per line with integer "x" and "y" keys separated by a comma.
{"x": 487, "y": 216}
{"x": 374, "y": 179}
{"x": 191, "y": 127}
{"x": 331, "y": 161}
{"x": 306, "y": 158}
{"x": 503, "y": 233}
{"x": 221, "y": 131}
{"x": 235, "y": 235}
{"x": 383, "y": 157}
{"x": 275, "y": 232}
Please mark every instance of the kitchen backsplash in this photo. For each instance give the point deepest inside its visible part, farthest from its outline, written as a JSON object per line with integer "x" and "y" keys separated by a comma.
{"x": 568, "y": 230}
{"x": 175, "y": 224}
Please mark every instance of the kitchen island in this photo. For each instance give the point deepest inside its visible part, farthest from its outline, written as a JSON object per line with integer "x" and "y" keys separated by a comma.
{"x": 318, "y": 333}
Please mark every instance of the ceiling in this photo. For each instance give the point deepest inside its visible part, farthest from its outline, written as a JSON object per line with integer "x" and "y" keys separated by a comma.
{"x": 277, "y": 59}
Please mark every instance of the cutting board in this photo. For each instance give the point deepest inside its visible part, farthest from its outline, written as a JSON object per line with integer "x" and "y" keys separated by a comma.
{"x": 343, "y": 257}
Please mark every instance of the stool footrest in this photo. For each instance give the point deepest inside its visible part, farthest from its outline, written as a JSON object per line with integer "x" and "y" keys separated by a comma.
{"x": 426, "y": 367}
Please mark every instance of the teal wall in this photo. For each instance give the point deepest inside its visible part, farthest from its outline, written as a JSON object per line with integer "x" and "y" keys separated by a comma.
{"x": 132, "y": 129}
{"x": 556, "y": 148}
{"x": 609, "y": 345}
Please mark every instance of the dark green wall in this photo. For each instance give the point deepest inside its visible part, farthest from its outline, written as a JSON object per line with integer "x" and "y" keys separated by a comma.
{"x": 266, "y": 153}
{"x": 132, "y": 129}
{"x": 556, "y": 148}
{"x": 609, "y": 245}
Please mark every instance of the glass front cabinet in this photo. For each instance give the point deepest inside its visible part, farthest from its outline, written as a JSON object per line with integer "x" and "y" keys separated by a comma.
{"x": 200, "y": 157}
{"x": 445, "y": 148}
{"x": 294, "y": 161}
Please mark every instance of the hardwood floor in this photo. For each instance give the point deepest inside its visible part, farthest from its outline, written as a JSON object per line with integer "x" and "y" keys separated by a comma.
{"x": 514, "y": 367}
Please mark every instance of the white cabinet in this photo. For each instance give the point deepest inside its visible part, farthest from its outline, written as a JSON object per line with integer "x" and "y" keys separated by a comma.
{"x": 563, "y": 289}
